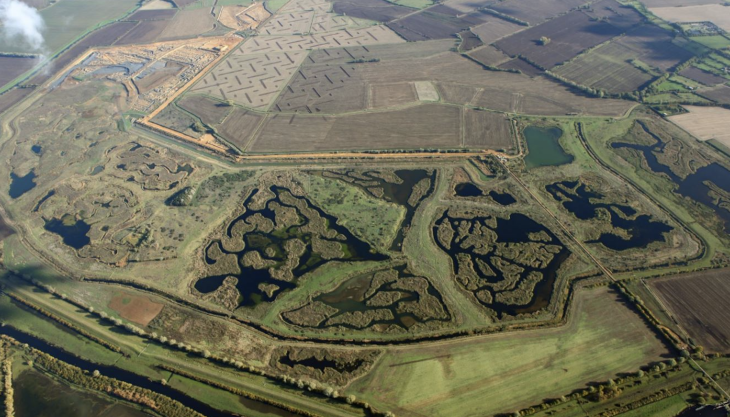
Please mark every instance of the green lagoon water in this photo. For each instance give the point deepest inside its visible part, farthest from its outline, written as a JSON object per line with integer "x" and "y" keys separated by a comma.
{"x": 543, "y": 146}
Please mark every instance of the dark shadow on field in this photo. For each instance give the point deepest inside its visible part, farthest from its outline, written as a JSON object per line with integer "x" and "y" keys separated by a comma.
{"x": 624, "y": 301}
{"x": 663, "y": 50}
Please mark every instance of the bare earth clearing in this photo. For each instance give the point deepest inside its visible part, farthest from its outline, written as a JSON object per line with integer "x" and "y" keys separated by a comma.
{"x": 706, "y": 123}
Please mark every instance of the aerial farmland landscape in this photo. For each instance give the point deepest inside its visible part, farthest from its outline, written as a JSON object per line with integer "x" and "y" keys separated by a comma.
{"x": 275, "y": 208}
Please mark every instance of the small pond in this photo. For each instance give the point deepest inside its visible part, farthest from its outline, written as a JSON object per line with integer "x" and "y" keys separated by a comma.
{"x": 467, "y": 189}
{"x": 73, "y": 231}
{"x": 21, "y": 185}
{"x": 544, "y": 149}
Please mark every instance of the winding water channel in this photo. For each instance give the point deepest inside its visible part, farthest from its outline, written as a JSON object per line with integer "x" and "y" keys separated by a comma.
{"x": 694, "y": 186}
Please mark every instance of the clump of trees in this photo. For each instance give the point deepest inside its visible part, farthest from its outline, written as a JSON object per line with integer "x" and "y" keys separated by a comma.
{"x": 363, "y": 60}
{"x": 544, "y": 40}
{"x": 182, "y": 198}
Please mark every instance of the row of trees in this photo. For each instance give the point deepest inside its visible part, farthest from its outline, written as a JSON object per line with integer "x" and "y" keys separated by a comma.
{"x": 638, "y": 303}
{"x": 503, "y": 16}
{"x": 7, "y": 388}
{"x": 614, "y": 387}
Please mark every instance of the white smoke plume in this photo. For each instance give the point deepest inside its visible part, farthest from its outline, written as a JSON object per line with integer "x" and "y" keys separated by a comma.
{"x": 22, "y": 26}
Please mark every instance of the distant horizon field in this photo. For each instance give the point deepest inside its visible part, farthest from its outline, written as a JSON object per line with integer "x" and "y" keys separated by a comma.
{"x": 67, "y": 20}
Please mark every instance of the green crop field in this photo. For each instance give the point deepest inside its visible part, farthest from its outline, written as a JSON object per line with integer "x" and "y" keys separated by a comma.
{"x": 501, "y": 373}
{"x": 669, "y": 407}
{"x": 714, "y": 42}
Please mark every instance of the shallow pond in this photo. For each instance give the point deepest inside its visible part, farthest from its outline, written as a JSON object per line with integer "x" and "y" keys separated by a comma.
{"x": 401, "y": 193}
{"x": 393, "y": 192}
{"x": 21, "y": 185}
{"x": 467, "y": 189}
{"x": 322, "y": 364}
{"x": 582, "y": 203}
{"x": 356, "y": 295}
{"x": 544, "y": 149}
{"x": 504, "y": 199}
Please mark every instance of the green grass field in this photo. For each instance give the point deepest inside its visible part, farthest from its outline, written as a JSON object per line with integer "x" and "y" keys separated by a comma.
{"x": 671, "y": 86}
{"x": 668, "y": 407}
{"x": 714, "y": 42}
{"x": 371, "y": 219}
{"x": 274, "y": 5}
{"x": 502, "y": 373}
{"x": 68, "y": 20}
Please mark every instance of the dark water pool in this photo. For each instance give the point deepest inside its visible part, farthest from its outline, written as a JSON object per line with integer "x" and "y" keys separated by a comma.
{"x": 21, "y": 185}
{"x": 581, "y": 202}
{"x": 72, "y": 231}
{"x": 466, "y": 189}
{"x": 322, "y": 364}
{"x": 516, "y": 229}
{"x": 401, "y": 193}
{"x": 504, "y": 199}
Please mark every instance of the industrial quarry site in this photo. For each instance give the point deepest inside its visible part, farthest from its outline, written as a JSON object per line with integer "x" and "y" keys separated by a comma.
{"x": 412, "y": 208}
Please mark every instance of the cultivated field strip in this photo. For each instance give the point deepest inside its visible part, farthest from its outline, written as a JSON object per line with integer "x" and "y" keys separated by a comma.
{"x": 606, "y": 68}
{"x": 325, "y": 88}
{"x": 706, "y": 123}
{"x": 373, "y": 35}
{"x": 251, "y": 80}
{"x": 698, "y": 301}
{"x": 255, "y": 74}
